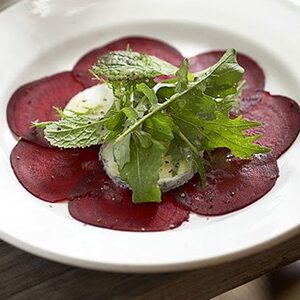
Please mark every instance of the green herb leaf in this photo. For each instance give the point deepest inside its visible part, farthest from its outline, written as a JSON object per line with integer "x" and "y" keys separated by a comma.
{"x": 122, "y": 92}
{"x": 115, "y": 121}
{"x": 182, "y": 76}
{"x": 131, "y": 66}
{"x": 199, "y": 164}
{"x": 142, "y": 171}
{"x": 122, "y": 151}
{"x": 177, "y": 151}
{"x": 130, "y": 112}
{"x": 160, "y": 127}
{"x": 148, "y": 92}
{"x": 222, "y": 79}
{"x": 195, "y": 156}
{"x": 143, "y": 138}
{"x": 75, "y": 132}
{"x": 230, "y": 133}
{"x": 112, "y": 136}
{"x": 190, "y": 110}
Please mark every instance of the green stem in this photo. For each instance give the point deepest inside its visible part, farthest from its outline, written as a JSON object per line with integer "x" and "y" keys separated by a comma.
{"x": 151, "y": 113}
{"x": 95, "y": 75}
{"x": 175, "y": 96}
{"x": 187, "y": 141}
{"x": 161, "y": 107}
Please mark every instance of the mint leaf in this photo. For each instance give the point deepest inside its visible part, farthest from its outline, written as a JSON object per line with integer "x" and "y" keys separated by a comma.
{"x": 75, "y": 132}
{"x": 142, "y": 171}
{"x": 130, "y": 66}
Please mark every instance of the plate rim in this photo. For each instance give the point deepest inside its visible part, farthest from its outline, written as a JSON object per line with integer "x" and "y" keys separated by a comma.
{"x": 149, "y": 268}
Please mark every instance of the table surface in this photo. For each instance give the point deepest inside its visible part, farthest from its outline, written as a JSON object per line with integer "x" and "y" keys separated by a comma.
{"x": 24, "y": 276}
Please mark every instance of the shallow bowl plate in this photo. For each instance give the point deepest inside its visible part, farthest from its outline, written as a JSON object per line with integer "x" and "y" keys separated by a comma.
{"x": 39, "y": 38}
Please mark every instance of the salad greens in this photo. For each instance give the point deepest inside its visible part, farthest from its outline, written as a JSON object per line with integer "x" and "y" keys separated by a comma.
{"x": 74, "y": 129}
{"x": 131, "y": 66}
{"x": 181, "y": 116}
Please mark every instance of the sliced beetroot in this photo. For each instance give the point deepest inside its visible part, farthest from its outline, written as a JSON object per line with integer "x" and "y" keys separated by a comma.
{"x": 140, "y": 44}
{"x": 110, "y": 206}
{"x": 35, "y": 100}
{"x": 231, "y": 185}
{"x": 55, "y": 175}
{"x": 51, "y": 173}
{"x": 254, "y": 75}
{"x": 279, "y": 116}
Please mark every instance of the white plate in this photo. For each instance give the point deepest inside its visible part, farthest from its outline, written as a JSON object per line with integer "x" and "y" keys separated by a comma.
{"x": 42, "y": 37}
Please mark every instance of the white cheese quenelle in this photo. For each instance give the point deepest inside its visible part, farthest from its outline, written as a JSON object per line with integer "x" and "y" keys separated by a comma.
{"x": 101, "y": 97}
{"x": 170, "y": 176}
{"x": 98, "y": 96}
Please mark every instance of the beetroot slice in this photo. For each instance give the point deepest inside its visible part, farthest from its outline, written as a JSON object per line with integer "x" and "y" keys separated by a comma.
{"x": 51, "y": 173}
{"x": 231, "y": 185}
{"x": 35, "y": 100}
{"x": 110, "y": 206}
{"x": 140, "y": 44}
{"x": 280, "y": 119}
{"x": 55, "y": 175}
{"x": 254, "y": 75}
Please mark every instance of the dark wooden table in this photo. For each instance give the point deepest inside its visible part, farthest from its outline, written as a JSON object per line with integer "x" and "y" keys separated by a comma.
{"x": 24, "y": 276}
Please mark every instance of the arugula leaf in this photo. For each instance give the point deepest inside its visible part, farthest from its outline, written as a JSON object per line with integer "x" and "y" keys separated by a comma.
{"x": 148, "y": 92}
{"x": 182, "y": 76}
{"x": 160, "y": 127}
{"x": 131, "y": 66}
{"x": 222, "y": 79}
{"x": 177, "y": 152}
{"x": 230, "y": 133}
{"x": 115, "y": 121}
{"x": 165, "y": 91}
{"x": 130, "y": 112}
{"x": 142, "y": 171}
{"x": 199, "y": 164}
{"x": 111, "y": 136}
{"x": 143, "y": 138}
{"x": 122, "y": 92}
{"x": 219, "y": 132}
{"x": 232, "y": 102}
{"x": 195, "y": 156}
{"x": 121, "y": 151}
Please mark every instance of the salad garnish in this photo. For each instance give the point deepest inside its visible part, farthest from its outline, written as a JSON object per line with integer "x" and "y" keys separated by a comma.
{"x": 160, "y": 110}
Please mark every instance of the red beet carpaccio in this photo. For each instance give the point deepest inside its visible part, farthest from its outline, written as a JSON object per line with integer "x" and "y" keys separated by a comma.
{"x": 77, "y": 175}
